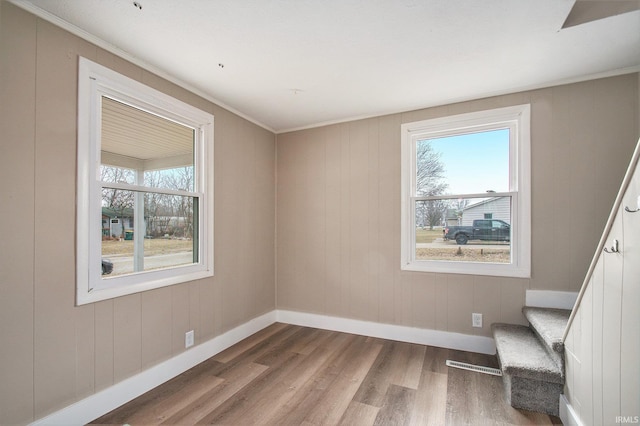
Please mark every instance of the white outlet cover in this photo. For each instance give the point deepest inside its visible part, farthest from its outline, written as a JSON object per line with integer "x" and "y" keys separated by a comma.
{"x": 188, "y": 339}
{"x": 476, "y": 320}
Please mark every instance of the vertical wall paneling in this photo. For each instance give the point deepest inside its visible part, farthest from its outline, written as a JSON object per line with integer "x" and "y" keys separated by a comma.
{"x": 55, "y": 317}
{"x": 17, "y": 186}
{"x": 460, "y": 303}
{"x": 422, "y": 303}
{"x": 359, "y": 284}
{"x": 346, "y": 212}
{"x": 630, "y": 315}
{"x": 388, "y": 219}
{"x": 333, "y": 259}
{"x": 486, "y": 300}
{"x": 263, "y": 277}
{"x": 597, "y": 369}
{"x": 559, "y": 196}
{"x": 312, "y": 224}
{"x": 179, "y": 317}
{"x": 543, "y": 164}
{"x": 156, "y": 326}
{"x": 611, "y": 325}
{"x": 127, "y": 336}
{"x": 60, "y": 353}
{"x": 583, "y": 381}
{"x": 285, "y": 222}
{"x": 373, "y": 220}
{"x": 104, "y": 344}
{"x": 355, "y": 270}
{"x": 358, "y": 265}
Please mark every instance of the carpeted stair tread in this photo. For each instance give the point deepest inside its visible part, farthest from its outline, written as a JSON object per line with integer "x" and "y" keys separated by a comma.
{"x": 549, "y": 324}
{"x": 522, "y": 354}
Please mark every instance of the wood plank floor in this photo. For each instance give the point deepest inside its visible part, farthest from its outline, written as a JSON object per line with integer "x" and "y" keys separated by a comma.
{"x": 290, "y": 375}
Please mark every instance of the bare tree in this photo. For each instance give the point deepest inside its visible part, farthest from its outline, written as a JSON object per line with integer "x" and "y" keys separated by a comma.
{"x": 429, "y": 182}
{"x": 435, "y": 211}
{"x": 429, "y": 170}
{"x": 170, "y": 214}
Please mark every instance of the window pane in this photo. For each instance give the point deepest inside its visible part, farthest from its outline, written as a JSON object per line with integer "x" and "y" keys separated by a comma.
{"x": 154, "y": 151}
{"x": 113, "y": 174}
{"x": 165, "y": 238}
{"x": 179, "y": 178}
{"x": 456, "y": 230}
{"x": 463, "y": 164}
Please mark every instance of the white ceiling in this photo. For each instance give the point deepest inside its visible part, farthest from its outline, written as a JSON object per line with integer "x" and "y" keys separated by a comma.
{"x": 291, "y": 64}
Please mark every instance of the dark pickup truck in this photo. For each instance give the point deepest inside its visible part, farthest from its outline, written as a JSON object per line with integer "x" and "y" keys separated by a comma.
{"x": 482, "y": 229}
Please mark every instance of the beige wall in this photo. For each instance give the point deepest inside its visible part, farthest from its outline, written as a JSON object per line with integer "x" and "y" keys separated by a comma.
{"x": 338, "y": 204}
{"x": 338, "y": 210}
{"x": 51, "y": 352}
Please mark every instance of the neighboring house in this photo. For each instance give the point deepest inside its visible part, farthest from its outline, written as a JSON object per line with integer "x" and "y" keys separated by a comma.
{"x": 493, "y": 208}
{"x": 451, "y": 217}
{"x": 115, "y": 222}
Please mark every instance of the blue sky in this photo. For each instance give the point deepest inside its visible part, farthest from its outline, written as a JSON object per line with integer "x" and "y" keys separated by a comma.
{"x": 476, "y": 162}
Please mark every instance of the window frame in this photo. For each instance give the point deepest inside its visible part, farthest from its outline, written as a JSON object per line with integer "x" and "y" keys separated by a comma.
{"x": 518, "y": 120}
{"x": 94, "y": 82}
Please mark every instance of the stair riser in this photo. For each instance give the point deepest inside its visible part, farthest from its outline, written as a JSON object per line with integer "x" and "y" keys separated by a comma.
{"x": 533, "y": 395}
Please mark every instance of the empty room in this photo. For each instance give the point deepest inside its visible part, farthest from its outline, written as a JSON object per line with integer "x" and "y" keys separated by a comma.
{"x": 291, "y": 212}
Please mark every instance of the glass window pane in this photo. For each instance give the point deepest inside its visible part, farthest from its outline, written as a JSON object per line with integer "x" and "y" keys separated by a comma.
{"x": 463, "y": 164}
{"x": 167, "y": 236}
{"x": 114, "y": 174}
{"x": 455, "y": 229}
{"x": 153, "y": 151}
{"x": 179, "y": 178}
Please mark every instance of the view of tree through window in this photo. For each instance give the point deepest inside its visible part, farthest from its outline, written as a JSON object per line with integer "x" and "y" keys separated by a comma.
{"x": 144, "y": 206}
{"x": 147, "y": 175}
{"x": 459, "y": 181}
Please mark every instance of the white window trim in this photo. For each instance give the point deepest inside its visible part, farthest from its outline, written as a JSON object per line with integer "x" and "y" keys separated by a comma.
{"x": 516, "y": 117}
{"x": 94, "y": 81}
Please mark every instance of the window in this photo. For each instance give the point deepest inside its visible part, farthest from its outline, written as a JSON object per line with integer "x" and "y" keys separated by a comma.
{"x": 466, "y": 193}
{"x": 145, "y": 187}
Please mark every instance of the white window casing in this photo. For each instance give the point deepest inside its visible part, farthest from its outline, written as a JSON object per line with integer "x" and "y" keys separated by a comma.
{"x": 94, "y": 83}
{"x": 517, "y": 120}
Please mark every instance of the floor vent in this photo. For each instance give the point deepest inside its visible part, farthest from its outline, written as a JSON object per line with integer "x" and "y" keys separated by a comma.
{"x": 477, "y": 368}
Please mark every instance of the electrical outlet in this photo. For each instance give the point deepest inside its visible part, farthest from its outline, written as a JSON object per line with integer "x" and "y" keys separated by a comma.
{"x": 476, "y": 320}
{"x": 188, "y": 339}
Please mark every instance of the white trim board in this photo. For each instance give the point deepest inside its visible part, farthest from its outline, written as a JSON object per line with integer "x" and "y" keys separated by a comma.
{"x": 567, "y": 414}
{"x": 102, "y": 402}
{"x": 551, "y": 299}
{"x": 114, "y": 396}
{"x": 443, "y": 339}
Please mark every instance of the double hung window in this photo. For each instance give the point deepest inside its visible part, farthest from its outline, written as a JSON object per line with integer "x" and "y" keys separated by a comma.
{"x": 466, "y": 193}
{"x": 145, "y": 182}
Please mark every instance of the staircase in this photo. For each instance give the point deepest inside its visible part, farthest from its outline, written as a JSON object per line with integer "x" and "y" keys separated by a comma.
{"x": 532, "y": 359}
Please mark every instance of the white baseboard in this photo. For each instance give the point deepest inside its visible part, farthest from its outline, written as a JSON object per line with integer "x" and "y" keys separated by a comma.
{"x": 114, "y": 396}
{"x": 443, "y": 339}
{"x": 108, "y": 399}
{"x": 551, "y": 299}
{"x": 567, "y": 414}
